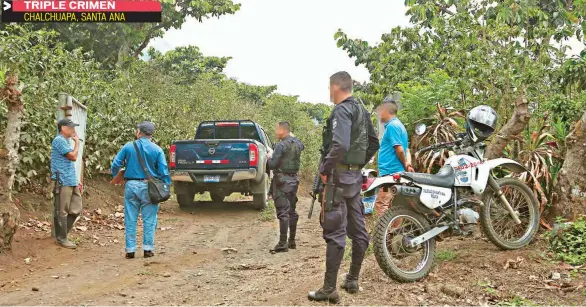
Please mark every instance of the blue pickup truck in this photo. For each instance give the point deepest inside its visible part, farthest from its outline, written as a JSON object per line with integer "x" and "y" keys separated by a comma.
{"x": 225, "y": 157}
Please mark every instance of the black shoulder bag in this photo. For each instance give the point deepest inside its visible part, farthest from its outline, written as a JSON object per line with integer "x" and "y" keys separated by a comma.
{"x": 159, "y": 190}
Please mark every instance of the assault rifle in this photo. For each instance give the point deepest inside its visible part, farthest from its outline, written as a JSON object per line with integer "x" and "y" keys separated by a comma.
{"x": 318, "y": 185}
{"x": 315, "y": 191}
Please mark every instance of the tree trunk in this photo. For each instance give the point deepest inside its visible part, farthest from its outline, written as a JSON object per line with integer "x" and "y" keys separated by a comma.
{"x": 571, "y": 182}
{"x": 511, "y": 129}
{"x": 9, "y": 213}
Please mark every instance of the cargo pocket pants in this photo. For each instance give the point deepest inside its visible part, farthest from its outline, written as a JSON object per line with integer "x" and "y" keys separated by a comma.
{"x": 285, "y": 196}
{"x": 345, "y": 219}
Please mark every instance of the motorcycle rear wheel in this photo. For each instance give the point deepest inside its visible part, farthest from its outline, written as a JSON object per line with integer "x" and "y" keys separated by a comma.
{"x": 528, "y": 212}
{"x": 390, "y": 251}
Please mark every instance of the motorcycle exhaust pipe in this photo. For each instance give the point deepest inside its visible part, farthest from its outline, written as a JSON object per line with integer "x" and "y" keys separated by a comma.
{"x": 407, "y": 191}
{"x": 411, "y": 194}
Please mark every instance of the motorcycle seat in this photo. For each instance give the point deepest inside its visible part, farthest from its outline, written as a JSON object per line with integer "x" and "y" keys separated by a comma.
{"x": 445, "y": 178}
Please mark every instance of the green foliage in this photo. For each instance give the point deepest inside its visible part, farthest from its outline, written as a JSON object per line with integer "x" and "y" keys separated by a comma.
{"x": 269, "y": 213}
{"x": 419, "y": 97}
{"x": 176, "y": 91}
{"x": 186, "y": 64}
{"x": 568, "y": 241}
{"x": 539, "y": 151}
{"x": 45, "y": 68}
{"x": 255, "y": 93}
{"x": 463, "y": 53}
{"x": 444, "y": 127}
{"x": 492, "y": 50}
{"x": 446, "y": 255}
{"x": 517, "y": 301}
{"x": 565, "y": 108}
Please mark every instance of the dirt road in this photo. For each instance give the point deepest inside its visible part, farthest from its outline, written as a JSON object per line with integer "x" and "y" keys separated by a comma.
{"x": 191, "y": 268}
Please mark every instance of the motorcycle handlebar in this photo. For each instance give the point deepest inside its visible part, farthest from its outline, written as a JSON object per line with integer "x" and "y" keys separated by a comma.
{"x": 441, "y": 145}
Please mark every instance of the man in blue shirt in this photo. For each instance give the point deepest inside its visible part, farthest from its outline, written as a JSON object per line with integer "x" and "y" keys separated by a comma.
{"x": 136, "y": 196}
{"x": 67, "y": 193}
{"x": 393, "y": 155}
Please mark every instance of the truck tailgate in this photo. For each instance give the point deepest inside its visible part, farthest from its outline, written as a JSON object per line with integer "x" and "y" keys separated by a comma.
{"x": 213, "y": 154}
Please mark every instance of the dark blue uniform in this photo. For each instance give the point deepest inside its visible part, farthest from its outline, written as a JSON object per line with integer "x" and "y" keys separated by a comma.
{"x": 285, "y": 164}
{"x": 349, "y": 124}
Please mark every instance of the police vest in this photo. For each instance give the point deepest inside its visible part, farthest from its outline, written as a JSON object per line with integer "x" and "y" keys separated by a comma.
{"x": 356, "y": 154}
{"x": 291, "y": 159}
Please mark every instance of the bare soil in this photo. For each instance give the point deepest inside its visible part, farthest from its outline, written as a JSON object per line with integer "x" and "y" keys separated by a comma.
{"x": 218, "y": 254}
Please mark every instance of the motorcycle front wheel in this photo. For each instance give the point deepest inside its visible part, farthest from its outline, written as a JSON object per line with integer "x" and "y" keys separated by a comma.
{"x": 397, "y": 260}
{"x": 496, "y": 221}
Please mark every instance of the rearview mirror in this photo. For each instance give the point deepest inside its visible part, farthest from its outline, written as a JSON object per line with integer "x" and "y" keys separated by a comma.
{"x": 420, "y": 128}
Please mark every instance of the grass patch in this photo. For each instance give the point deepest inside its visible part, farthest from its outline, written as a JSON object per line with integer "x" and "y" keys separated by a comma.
{"x": 487, "y": 287}
{"x": 269, "y": 213}
{"x": 566, "y": 241}
{"x": 76, "y": 239}
{"x": 517, "y": 301}
{"x": 146, "y": 273}
{"x": 348, "y": 250}
{"x": 446, "y": 255}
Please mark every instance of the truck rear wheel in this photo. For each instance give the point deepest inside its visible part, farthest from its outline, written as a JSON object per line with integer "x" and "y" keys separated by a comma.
{"x": 260, "y": 200}
{"x": 185, "y": 200}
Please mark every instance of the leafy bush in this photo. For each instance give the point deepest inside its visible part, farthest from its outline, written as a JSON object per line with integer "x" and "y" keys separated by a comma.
{"x": 420, "y": 97}
{"x": 174, "y": 99}
{"x": 568, "y": 241}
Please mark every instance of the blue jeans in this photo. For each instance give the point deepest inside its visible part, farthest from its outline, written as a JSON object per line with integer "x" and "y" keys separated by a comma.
{"x": 136, "y": 199}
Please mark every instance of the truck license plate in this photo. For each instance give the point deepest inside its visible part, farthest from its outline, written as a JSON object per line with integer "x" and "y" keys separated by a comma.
{"x": 211, "y": 178}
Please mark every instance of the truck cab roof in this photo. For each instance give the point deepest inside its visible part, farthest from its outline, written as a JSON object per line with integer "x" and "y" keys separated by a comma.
{"x": 232, "y": 129}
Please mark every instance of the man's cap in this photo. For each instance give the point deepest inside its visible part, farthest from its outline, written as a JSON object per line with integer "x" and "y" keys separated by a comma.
{"x": 66, "y": 122}
{"x": 146, "y": 127}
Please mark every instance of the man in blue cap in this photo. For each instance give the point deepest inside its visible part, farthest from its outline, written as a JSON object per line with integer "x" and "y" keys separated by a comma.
{"x": 136, "y": 196}
{"x": 68, "y": 193}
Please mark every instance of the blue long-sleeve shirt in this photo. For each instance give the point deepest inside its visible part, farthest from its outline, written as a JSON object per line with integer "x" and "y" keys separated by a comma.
{"x": 153, "y": 156}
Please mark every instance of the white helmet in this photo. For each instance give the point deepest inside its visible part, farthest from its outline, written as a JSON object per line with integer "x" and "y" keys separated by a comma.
{"x": 481, "y": 123}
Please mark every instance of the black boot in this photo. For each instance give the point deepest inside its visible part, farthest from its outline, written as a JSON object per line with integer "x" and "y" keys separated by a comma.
{"x": 350, "y": 282}
{"x": 328, "y": 292}
{"x": 292, "y": 232}
{"x": 281, "y": 246}
{"x": 292, "y": 244}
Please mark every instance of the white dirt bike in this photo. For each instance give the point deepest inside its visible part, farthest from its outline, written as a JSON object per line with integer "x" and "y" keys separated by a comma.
{"x": 426, "y": 206}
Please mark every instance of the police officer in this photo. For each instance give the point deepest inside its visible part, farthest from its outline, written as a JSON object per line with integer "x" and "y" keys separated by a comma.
{"x": 351, "y": 142}
{"x": 285, "y": 163}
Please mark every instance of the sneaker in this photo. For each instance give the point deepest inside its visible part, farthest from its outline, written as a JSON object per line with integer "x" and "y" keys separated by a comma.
{"x": 148, "y": 254}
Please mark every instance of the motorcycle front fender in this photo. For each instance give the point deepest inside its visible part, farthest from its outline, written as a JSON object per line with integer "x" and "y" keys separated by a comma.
{"x": 509, "y": 164}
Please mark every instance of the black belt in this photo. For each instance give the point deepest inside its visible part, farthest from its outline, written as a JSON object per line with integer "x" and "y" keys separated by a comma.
{"x": 135, "y": 179}
{"x": 348, "y": 167}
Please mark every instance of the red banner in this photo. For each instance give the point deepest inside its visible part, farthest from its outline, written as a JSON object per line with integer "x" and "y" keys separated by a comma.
{"x": 85, "y": 6}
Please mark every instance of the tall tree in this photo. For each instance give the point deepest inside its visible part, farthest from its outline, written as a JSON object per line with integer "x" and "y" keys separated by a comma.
{"x": 571, "y": 184}
{"x": 9, "y": 158}
{"x": 186, "y": 64}
{"x": 499, "y": 52}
